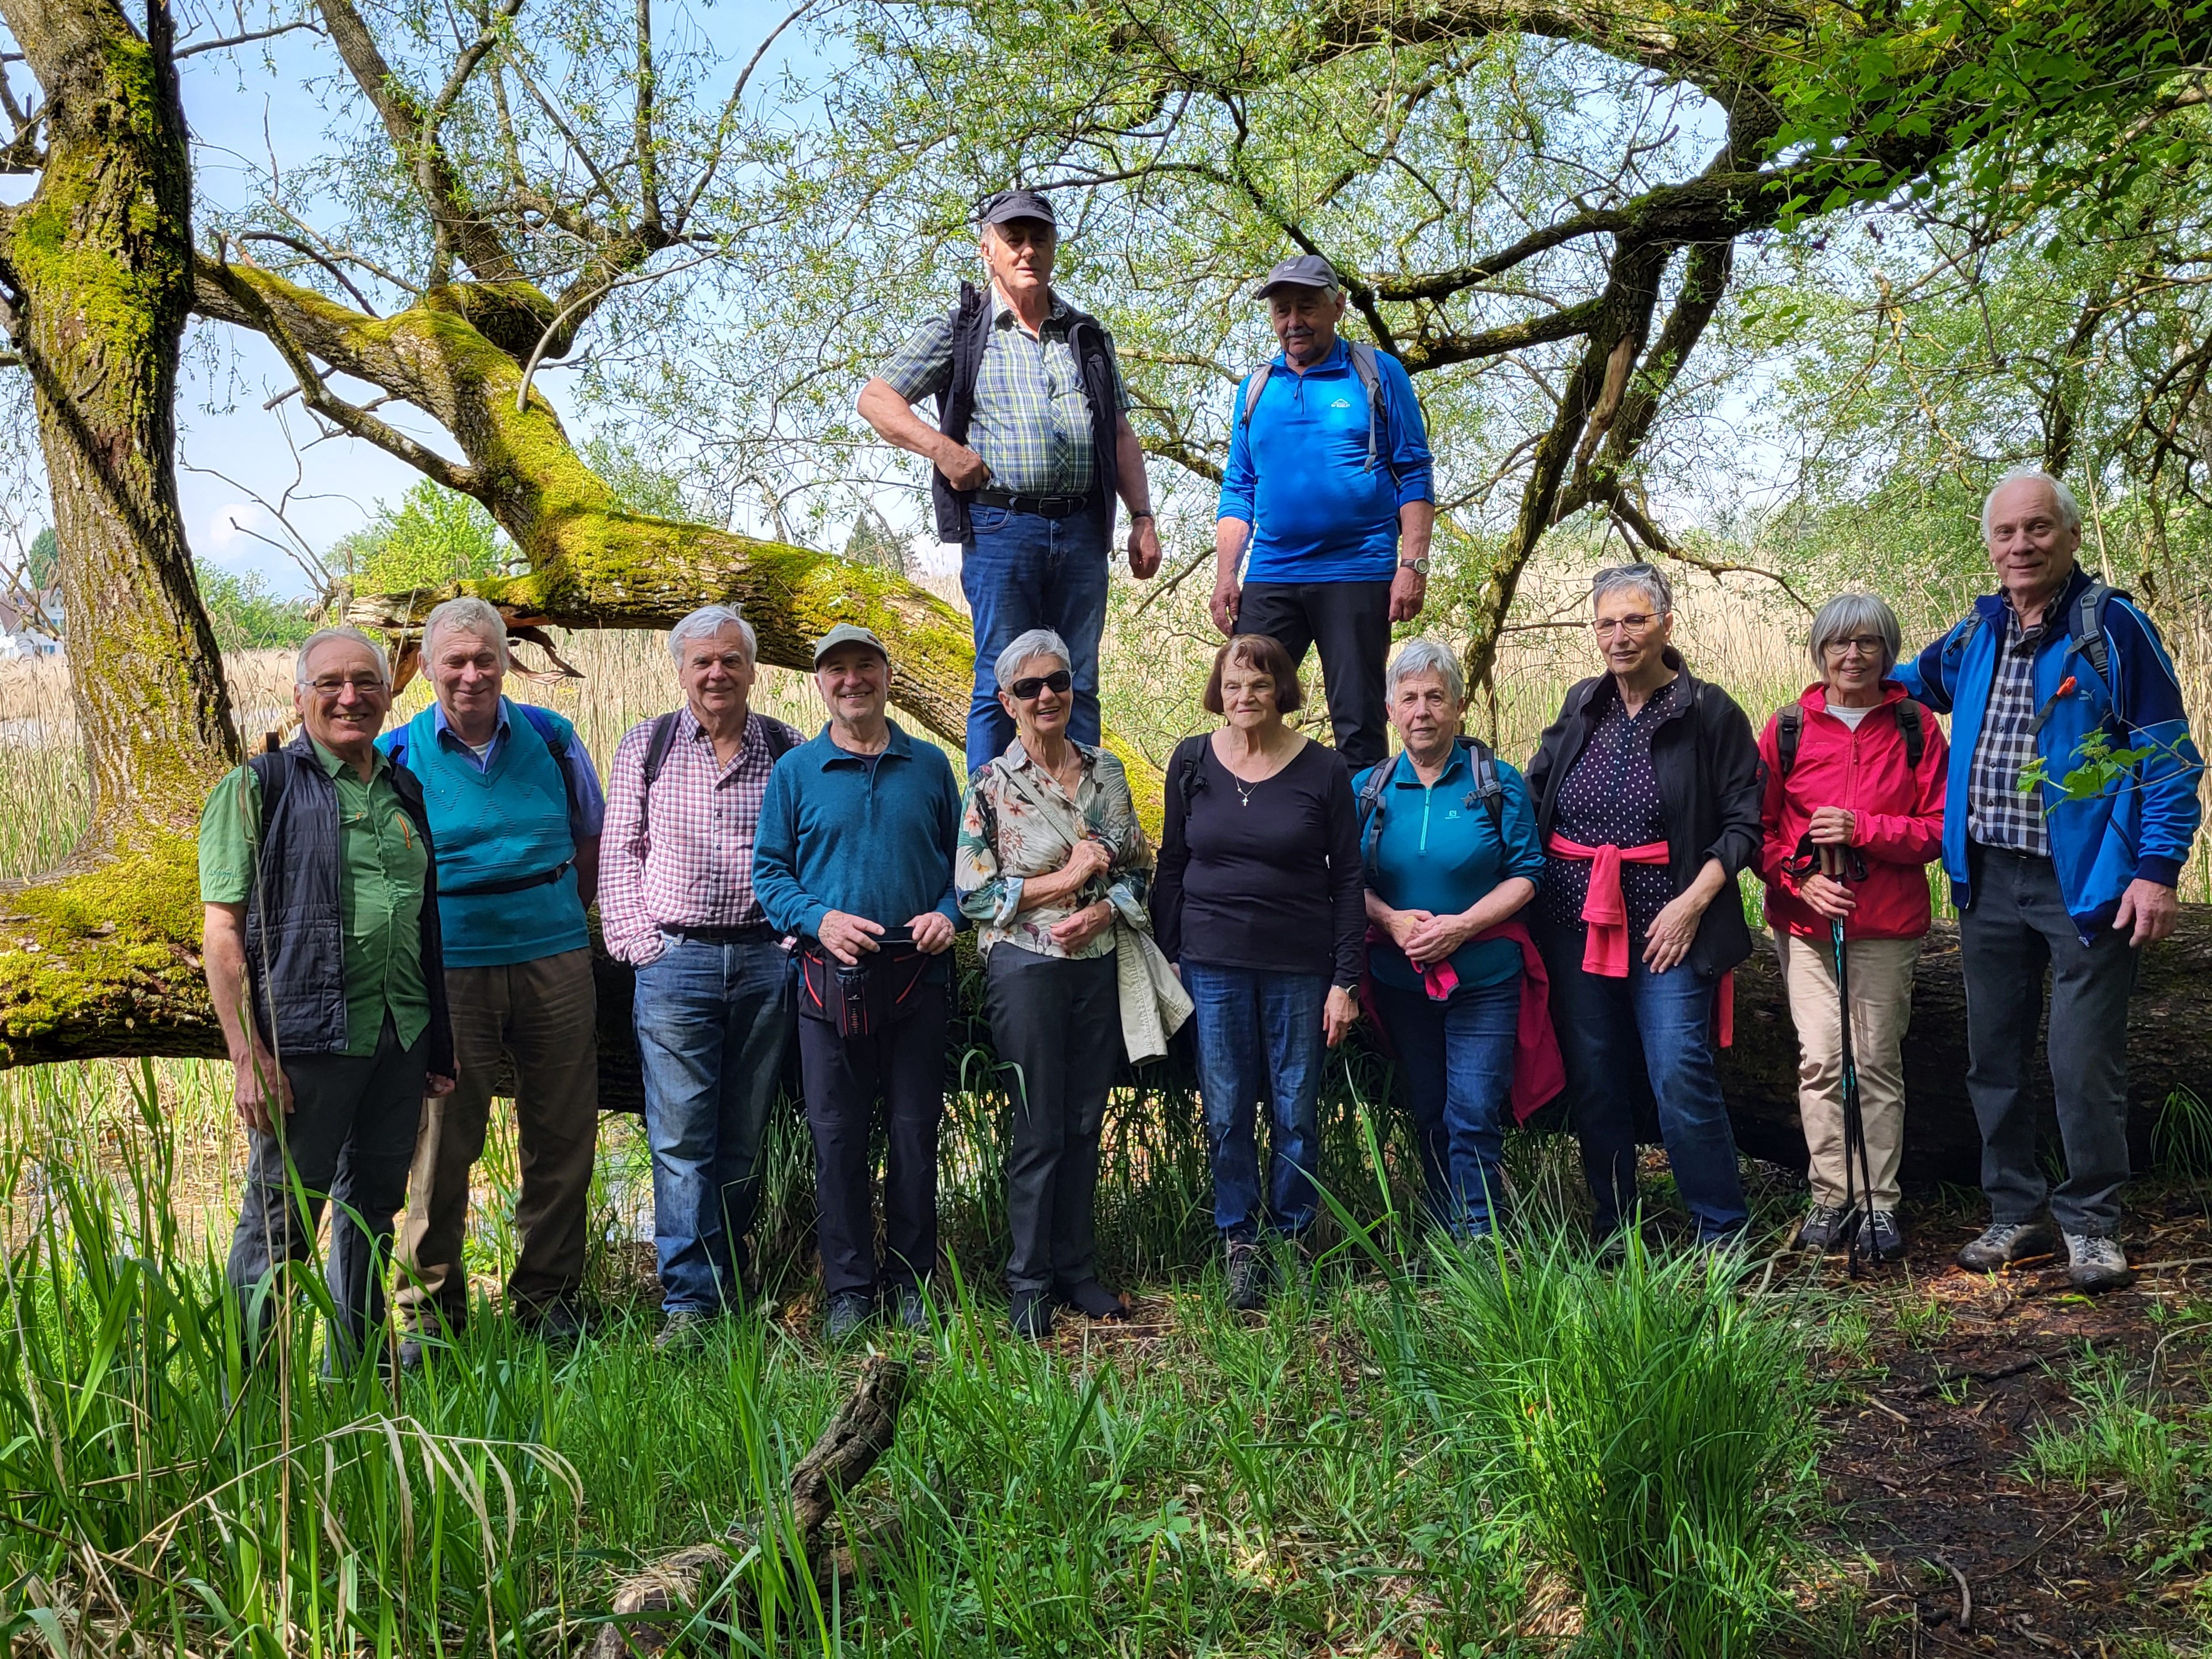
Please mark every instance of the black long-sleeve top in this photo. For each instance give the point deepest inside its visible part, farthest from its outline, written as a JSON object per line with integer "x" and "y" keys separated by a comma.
{"x": 1274, "y": 884}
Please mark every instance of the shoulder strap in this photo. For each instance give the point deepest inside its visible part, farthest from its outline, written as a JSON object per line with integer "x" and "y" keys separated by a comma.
{"x": 781, "y": 740}
{"x": 272, "y": 768}
{"x": 2089, "y": 634}
{"x": 656, "y": 756}
{"x": 1254, "y": 384}
{"x": 1789, "y": 728}
{"x": 542, "y": 722}
{"x": 397, "y": 753}
{"x": 1186, "y": 757}
{"x": 1370, "y": 795}
{"x": 1370, "y": 377}
{"x": 1915, "y": 734}
{"x": 1487, "y": 789}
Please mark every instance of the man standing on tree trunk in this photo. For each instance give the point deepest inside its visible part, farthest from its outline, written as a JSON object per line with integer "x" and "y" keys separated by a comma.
{"x": 1329, "y": 468}
{"x": 1031, "y": 446}
{"x": 2053, "y": 662}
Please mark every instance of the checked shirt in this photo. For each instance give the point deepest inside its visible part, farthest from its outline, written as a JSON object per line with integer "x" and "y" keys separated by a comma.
{"x": 1998, "y": 814}
{"x": 690, "y": 862}
{"x": 1031, "y": 424}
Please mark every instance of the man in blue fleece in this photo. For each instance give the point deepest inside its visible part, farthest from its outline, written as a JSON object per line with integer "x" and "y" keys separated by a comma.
{"x": 1328, "y": 469}
{"x": 2052, "y": 661}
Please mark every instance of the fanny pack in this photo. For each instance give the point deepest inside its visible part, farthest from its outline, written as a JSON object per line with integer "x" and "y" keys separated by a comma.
{"x": 875, "y": 992}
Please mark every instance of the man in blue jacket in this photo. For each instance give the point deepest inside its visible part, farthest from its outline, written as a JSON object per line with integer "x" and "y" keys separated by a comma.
{"x": 1327, "y": 489}
{"x": 854, "y": 856}
{"x": 2051, "y": 663}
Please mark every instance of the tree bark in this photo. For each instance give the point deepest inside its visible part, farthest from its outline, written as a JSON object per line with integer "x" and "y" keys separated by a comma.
{"x": 98, "y": 268}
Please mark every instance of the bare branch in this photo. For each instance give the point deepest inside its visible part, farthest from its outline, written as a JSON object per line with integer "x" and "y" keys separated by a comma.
{"x": 198, "y": 46}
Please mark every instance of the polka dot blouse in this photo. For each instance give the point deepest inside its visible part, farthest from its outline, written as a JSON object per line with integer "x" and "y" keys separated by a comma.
{"x": 1611, "y": 795}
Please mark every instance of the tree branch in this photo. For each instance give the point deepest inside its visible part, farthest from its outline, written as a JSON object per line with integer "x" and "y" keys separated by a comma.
{"x": 198, "y": 46}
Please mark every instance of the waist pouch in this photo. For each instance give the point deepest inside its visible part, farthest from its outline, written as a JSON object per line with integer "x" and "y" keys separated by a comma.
{"x": 876, "y": 992}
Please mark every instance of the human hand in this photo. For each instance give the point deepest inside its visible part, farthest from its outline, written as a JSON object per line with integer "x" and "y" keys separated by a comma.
{"x": 1834, "y": 826}
{"x": 1827, "y": 897}
{"x": 1339, "y": 1015}
{"x": 1086, "y": 859}
{"x": 846, "y": 937}
{"x": 1079, "y": 929}
{"x": 1403, "y": 924}
{"x": 2150, "y": 907}
{"x": 435, "y": 1085}
{"x": 257, "y": 1079}
{"x": 1144, "y": 548}
{"x": 1437, "y": 938}
{"x": 963, "y": 468}
{"x": 1227, "y": 600}
{"x": 932, "y": 932}
{"x": 1673, "y": 930}
{"x": 1407, "y": 589}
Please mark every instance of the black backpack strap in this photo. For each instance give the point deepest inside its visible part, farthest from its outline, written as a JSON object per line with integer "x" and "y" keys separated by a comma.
{"x": 1915, "y": 733}
{"x": 656, "y": 756}
{"x": 1189, "y": 779}
{"x": 1487, "y": 788}
{"x": 2089, "y": 637}
{"x": 272, "y": 769}
{"x": 1789, "y": 728}
{"x": 782, "y": 738}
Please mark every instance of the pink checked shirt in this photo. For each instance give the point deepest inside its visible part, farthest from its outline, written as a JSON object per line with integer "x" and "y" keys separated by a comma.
{"x": 690, "y": 862}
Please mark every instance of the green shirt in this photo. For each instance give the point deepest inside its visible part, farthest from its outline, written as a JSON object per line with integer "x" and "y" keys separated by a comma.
{"x": 381, "y": 869}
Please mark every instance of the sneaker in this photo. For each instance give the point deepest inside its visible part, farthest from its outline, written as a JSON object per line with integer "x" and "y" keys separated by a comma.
{"x": 848, "y": 1314}
{"x": 1248, "y": 1275}
{"x": 681, "y": 1331}
{"x": 914, "y": 1309}
{"x": 2097, "y": 1264}
{"x": 1091, "y": 1300}
{"x": 1822, "y": 1228}
{"x": 1880, "y": 1237}
{"x": 2008, "y": 1241}
{"x": 1032, "y": 1315}
{"x": 411, "y": 1354}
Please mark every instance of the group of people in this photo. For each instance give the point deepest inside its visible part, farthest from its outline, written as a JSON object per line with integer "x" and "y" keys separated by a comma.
{"x": 392, "y": 918}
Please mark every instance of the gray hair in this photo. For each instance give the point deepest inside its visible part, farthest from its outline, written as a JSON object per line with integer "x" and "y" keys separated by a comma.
{"x": 1418, "y": 656}
{"x": 1848, "y": 616}
{"x": 323, "y": 636}
{"x": 2069, "y": 510}
{"x": 707, "y": 621}
{"x": 1645, "y": 579}
{"x": 467, "y": 614}
{"x": 1037, "y": 642}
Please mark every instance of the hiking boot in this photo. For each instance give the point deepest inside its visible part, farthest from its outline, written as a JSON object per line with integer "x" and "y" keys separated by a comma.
{"x": 914, "y": 1309}
{"x": 1091, "y": 1300}
{"x": 410, "y": 1353}
{"x": 2008, "y": 1241}
{"x": 1249, "y": 1275}
{"x": 848, "y": 1314}
{"x": 2097, "y": 1264}
{"x": 557, "y": 1323}
{"x": 1032, "y": 1315}
{"x": 1822, "y": 1228}
{"x": 682, "y": 1331}
{"x": 1879, "y": 1236}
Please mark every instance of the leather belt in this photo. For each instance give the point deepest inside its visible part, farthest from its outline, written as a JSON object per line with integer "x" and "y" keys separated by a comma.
{"x": 758, "y": 930}
{"x": 1044, "y": 507}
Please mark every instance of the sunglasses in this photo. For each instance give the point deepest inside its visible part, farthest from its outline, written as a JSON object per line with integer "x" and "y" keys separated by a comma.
{"x": 1026, "y": 691}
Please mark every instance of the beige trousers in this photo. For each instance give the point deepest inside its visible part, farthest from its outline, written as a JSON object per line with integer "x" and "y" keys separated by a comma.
{"x": 1882, "y": 1007}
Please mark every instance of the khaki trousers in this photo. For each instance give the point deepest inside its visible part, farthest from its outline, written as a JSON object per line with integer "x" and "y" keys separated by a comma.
{"x": 1882, "y": 1008}
{"x": 543, "y": 1015}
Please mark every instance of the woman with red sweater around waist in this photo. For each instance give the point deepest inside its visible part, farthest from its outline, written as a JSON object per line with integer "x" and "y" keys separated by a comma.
{"x": 1853, "y": 812}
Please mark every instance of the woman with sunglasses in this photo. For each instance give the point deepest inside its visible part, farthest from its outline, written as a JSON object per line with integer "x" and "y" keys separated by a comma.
{"x": 1049, "y": 857}
{"x": 1853, "y": 813}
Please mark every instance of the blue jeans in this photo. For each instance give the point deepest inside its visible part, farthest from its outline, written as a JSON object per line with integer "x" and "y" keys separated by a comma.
{"x": 1021, "y": 571}
{"x": 712, "y": 1020}
{"x": 1455, "y": 1062}
{"x": 1647, "y": 1037}
{"x": 1259, "y": 1037}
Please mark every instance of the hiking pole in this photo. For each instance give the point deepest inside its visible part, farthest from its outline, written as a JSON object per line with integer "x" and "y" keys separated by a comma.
{"x": 1858, "y": 1174}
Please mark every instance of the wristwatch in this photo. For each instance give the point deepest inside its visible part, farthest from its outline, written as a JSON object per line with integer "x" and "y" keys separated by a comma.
{"x": 1419, "y": 566}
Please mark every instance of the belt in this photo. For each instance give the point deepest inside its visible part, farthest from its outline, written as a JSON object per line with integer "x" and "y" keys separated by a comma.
{"x": 758, "y": 930}
{"x": 1044, "y": 507}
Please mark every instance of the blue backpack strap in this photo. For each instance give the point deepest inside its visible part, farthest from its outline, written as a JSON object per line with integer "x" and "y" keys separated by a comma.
{"x": 542, "y": 721}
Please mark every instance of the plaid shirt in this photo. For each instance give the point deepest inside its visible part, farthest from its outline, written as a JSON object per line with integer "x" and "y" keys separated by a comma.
{"x": 1031, "y": 424}
{"x": 692, "y": 865}
{"x": 1998, "y": 813}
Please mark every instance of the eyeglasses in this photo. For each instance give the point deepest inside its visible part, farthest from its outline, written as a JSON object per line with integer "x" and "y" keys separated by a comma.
{"x": 1027, "y": 691}
{"x": 361, "y": 685}
{"x": 1607, "y": 625}
{"x": 1867, "y": 645}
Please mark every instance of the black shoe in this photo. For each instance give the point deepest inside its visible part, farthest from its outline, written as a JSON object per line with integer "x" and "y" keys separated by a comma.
{"x": 1091, "y": 1300}
{"x": 1880, "y": 1237}
{"x": 410, "y": 1353}
{"x": 1249, "y": 1276}
{"x": 1822, "y": 1228}
{"x": 914, "y": 1309}
{"x": 557, "y": 1323}
{"x": 1031, "y": 1315}
{"x": 848, "y": 1314}
{"x": 2004, "y": 1241}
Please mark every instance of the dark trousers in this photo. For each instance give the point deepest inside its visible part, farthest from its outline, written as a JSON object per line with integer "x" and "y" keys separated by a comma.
{"x": 1351, "y": 623}
{"x": 2016, "y": 927}
{"x": 349, "y": 1140}
{"x": 901, "y": 1065}
{"x": 1057, "y": 1025}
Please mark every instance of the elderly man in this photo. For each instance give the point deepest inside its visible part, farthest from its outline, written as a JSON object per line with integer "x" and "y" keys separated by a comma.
{"x": 515, "y": 804}
{"x": 2054, "y": 659}
{"x": 320, "y": 891}
{"x": 1031, "y": 445}
{"x": 855, "y": 856}
{"x": 1328, "y": 469}
{"x": 677, "y": 901}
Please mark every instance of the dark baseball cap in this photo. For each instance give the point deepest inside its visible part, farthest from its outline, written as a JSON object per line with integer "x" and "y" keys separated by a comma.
{"x": 1016, "y": 205}
{"x": 1307, "y": 270}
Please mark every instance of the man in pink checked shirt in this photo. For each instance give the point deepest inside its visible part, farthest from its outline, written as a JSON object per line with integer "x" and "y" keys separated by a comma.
{"x": 713, "y": 1005}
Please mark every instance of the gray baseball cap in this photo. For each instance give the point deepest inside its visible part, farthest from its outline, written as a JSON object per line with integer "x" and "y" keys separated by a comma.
{"x": 1016, "y": 205}
{"x": 1307, "y": 270}
{"x": 848, "y": 634}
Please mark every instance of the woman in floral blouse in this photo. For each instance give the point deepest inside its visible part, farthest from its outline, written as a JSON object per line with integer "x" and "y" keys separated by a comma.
{"x": 1050, "y": 857}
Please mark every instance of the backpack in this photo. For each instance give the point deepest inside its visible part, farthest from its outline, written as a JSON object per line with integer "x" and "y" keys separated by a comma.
{"x": 1487, "y": 789}
{"x": 2089, "y": 637}
{"x": 1370, "y": 377}
{"x": 1790, "y": 726}
{"x": 780, "y": 739}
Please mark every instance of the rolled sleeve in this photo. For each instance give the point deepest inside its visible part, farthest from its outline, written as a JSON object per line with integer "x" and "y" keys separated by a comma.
{"x": 228, "y": 826}
{"x": 923, "y": 365}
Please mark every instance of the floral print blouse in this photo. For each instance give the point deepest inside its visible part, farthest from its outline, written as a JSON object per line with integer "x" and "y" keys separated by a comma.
{"x": 1018, "y": 821}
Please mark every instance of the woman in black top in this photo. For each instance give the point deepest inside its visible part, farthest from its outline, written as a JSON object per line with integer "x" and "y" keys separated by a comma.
{"x": 1258, "y": 901}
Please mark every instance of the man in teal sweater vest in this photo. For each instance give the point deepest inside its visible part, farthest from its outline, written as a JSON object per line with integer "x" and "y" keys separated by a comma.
{"x": 516, "y": 808}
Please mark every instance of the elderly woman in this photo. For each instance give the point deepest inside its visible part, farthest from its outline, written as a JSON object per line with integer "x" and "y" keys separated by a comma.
{"x": 1854, "y": 810}
{"x": 1049, "y": 855}
{"x": 1647, "y": 793}
{"x": 1451, "y": 852}
{"x": 1259, "y": 903}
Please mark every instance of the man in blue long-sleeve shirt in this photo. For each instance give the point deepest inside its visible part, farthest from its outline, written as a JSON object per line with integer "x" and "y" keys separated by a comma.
{"x": 1329, "y": 490}
{"x": 854, "y": 855}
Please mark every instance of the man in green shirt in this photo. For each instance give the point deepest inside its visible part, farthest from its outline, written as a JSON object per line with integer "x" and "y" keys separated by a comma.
{"x": 325, "y": 915}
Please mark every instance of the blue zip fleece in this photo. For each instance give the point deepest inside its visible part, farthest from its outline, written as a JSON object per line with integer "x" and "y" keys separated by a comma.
{"x": 2139, "y": 828}
{"x": 1298, "y": 471}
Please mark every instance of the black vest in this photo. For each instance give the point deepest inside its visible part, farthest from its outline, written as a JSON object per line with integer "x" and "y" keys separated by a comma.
{"x": 296, "y": 949}
{"x": 956, "y": 404}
